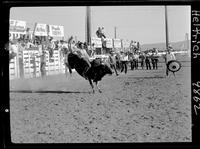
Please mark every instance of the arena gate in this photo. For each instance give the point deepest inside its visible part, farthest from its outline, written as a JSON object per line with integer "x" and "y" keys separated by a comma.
{"x": 29, "y": 66}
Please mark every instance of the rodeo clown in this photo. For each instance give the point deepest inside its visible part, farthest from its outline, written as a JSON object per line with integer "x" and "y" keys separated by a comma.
{"x": 171, "y": 63}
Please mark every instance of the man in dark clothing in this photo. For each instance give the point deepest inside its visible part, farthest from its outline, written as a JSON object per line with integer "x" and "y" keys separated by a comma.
{"x": 142, "y": 57}
{"x": 124, "y": 60}
{"x": 100, "y": 33}
{"x": 153, "y": 62}
{"x": 156, "y": 62}
{"x": 133, "y": 64}
{"x": 147, "y": 61}
{"x": 131, "y": 60}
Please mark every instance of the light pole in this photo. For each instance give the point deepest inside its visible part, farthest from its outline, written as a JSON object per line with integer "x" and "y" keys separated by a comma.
{"x": 88, "y": 25}
{"x": 166, "y": 29}
{"x": 115, "y": 32}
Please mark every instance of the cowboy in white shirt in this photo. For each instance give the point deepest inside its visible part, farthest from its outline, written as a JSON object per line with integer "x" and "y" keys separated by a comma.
{"x": 124, "y": 60}
{"x": 168, "y": 57}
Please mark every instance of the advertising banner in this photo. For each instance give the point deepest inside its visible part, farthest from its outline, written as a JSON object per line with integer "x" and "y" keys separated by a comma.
{"x": 97, "y": 42}
{"x": 56, "y": 31}
{"x": 109, "y": 43}
{"x": 17, "y": 26}
{"x": 40, "y": 30}
{"x": 117, "y": 43}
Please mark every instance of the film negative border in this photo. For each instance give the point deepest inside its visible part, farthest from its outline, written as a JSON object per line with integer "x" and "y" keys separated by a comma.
{"x": 195, "y": 85}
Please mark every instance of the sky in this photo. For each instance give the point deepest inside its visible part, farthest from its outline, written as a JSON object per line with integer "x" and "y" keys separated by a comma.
{"x": 145, "y": 24}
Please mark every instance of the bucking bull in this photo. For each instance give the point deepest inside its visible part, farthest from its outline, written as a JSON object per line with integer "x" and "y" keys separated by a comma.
{"x": 94, "y": 73}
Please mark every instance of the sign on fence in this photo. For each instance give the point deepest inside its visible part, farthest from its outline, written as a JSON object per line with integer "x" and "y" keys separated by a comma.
{"x": 97, "y": 42}
{"x": 117, "y": 43}
{"x": 56, "y": 31}
{"x": 17, "y": 26}
{"x": 109, "y": 43}
{"x": 40, "y": 29}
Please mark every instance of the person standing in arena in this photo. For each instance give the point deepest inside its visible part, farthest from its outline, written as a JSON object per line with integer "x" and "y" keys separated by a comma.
{"x": 142, "y": 57}
{"x": 124, "y": 60}
{"x": 51, "y": 47}
{"x": 147, "y": 61}
{"x": 112, "y": 61}
{"x": 131, "y": 60}
{"x": 42, "y": 59}
{"x": 136, "y": 57}
{"x": 154, "y": 59}
{"x": 168, "y": 57}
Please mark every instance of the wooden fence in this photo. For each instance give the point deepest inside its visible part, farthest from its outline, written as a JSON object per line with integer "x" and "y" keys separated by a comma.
{"x": 29, "y": 65}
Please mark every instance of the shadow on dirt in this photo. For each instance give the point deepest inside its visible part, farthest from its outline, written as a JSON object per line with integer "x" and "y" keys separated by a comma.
{"x": 147, "y": 77}
{"x": 154, "y": 77}
{"x": 52, "y": 92}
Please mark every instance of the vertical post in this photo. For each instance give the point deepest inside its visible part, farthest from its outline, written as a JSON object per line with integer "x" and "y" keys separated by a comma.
{"x": 76, "y": 39}
{"x": 88, "y": 25}
{"x": 115, "y": 32}
{"x": 166, "y": 29}
{"x": 187, "y": 44}
{"x": 187, "y": 41}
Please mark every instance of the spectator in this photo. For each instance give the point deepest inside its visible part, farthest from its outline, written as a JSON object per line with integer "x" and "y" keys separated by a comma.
{"x": 118, "y": 61}
{"x": 136, "y": 58}
{"x": 50, "y": 48}
{"x": 112, "y": 61}
{"x": 142, "y": 57}
{"x": 168, "y": 57}
{"x": 147, "y": 61}
{"x": 154, "y": 59}
{"x": 43, "y": 61}
{"x": 100, "y": 33}
{"x": 124, "y": 60}
{"x": 132, "y": 60}
{"x": 28, "y": 34}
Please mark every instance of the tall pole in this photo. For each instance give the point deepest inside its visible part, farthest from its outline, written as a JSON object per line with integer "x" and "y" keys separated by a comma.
{"x": 88, "y": 25}
{"x": 115, "y": 32}
{"x": 187, "y": 41}
{"x": 166, "y": 29}
{"x": 187, "y": 44}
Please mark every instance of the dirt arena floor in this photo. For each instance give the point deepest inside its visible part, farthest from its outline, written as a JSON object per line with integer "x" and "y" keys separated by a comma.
{"x": 140, "y": 106}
